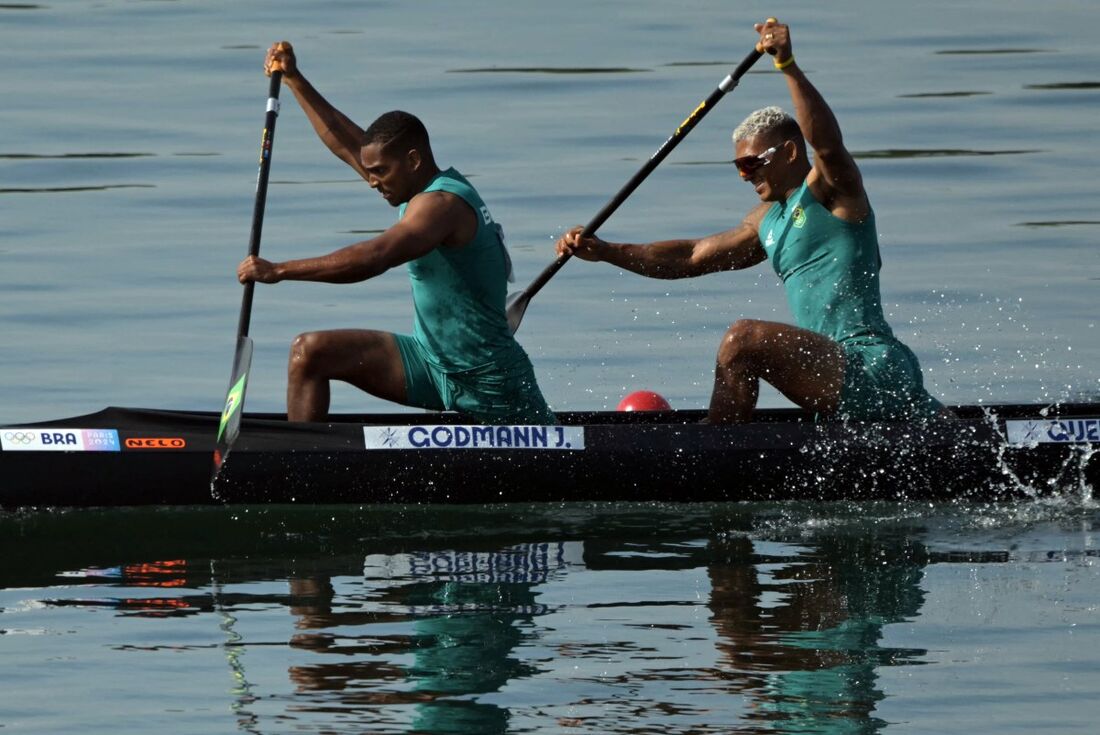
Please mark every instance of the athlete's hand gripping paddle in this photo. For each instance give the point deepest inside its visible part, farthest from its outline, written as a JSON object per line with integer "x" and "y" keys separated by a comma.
{"x": 518, "y": 301}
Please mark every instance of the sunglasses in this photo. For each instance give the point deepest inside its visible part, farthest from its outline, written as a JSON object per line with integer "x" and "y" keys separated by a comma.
{"x": 748, "y": 165}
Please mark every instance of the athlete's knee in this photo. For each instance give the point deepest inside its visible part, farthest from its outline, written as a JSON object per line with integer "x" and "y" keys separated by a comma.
{"x": 742, "y": 343}
{"x": 305, "y": 353}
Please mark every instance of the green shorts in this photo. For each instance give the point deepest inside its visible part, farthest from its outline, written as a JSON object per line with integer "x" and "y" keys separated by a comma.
{"x": 500, "y": 393}
{"x": 883, "y": 382}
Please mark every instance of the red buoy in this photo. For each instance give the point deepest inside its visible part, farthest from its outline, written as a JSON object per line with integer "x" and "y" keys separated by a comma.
{"x": 644, "y": 400}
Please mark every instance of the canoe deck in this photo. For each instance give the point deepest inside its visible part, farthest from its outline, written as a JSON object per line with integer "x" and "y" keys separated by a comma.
{"x": 122, "y": 456}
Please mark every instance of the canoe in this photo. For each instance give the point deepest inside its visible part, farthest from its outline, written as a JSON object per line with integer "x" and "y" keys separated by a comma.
{"x": 125, "y": 456}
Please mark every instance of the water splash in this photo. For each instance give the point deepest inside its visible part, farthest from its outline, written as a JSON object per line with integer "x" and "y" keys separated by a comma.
{"x": 1067, "y": 486}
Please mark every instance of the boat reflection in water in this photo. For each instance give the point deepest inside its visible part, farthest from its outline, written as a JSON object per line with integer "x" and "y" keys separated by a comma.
{"x": 796, "y": 630}
{"x": 457, "y": 641}
{"x": 802, "y": 640}
{"x": 625, "y": 618}
{"x": 457, "y": 615}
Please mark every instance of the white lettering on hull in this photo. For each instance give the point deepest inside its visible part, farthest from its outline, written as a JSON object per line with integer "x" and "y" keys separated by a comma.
{"x": 17, "y": 439}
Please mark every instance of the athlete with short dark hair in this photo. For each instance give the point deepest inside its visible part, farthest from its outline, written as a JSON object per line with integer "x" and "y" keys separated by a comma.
{"x": 461, "y": 355}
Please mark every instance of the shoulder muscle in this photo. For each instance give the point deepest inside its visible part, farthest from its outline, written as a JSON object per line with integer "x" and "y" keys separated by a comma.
{"x": 444, "y": 217}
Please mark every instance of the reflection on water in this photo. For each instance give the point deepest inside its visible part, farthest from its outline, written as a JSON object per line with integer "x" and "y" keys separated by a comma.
{"x": 458, "y": 618}
{"x": 418, "y": 640}
{"x": 798, "y": 626}
{"x": 808, "y": 659}
{"x": 444, "y": 640}
{"x": 578, "y": 618}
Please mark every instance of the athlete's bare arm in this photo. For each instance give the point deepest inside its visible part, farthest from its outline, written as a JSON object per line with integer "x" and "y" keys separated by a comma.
{"x": 835, "y": 179}
{"x": 734, "y": 249}
{"x": 431, "y": 219}
{"x": 335, "y": 129}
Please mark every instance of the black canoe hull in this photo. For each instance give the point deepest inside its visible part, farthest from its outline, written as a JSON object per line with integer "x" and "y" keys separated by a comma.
{"x": 165, "y": 458}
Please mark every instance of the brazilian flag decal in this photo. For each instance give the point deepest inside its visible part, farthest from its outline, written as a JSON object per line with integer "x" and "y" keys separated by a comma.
{"x": 232, "y": 403}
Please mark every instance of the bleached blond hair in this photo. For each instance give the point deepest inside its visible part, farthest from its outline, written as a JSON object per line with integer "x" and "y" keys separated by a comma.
{"x": 766, "y": 121}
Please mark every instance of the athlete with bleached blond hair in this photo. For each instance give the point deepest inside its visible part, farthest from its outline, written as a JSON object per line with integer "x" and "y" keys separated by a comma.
{"x": 816, "y": 225}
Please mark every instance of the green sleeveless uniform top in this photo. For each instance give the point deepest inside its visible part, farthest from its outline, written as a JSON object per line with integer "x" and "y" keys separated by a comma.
{"x": 459, "y": 292}
{"x": 829, "y": 268}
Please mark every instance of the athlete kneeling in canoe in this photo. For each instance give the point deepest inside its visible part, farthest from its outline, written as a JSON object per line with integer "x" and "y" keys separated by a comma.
{"x": 461, "y": 354}
{"x": 817, "y": 227}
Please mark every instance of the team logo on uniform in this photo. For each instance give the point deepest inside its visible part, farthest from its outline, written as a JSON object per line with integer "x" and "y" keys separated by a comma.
{"x": 798, "y": 217}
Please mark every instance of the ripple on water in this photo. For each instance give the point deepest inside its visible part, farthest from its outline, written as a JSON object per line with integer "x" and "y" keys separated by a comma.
{"x": 938, "y": 152}
{"x": 70, "y": 189}
{"x": 56, "y": 156}
{"x": 990, "y": 51}
{"x": 549, "y": 70}
{"x": 1064, "y": 86}
{"x": 1060, "y": 223}
{"x": 960, "y": 93}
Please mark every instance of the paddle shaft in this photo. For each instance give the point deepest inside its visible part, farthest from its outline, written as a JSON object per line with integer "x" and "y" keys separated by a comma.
{"x": 681, "y": 132}
{"x": 261, "y": 196}
{"x": 229, "y": 426}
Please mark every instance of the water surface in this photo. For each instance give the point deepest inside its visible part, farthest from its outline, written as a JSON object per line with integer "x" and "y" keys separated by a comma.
{"x": 127, "y": 170}
{"x": 530, "y": 618}
{"x": 127, "y": 173}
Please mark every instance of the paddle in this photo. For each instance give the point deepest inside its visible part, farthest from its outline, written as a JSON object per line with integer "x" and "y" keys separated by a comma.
{"x": 230, "y": 425}
{"x": 518, "y": 301}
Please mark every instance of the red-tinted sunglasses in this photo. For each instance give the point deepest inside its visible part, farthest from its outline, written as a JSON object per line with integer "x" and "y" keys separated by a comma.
{"x": 748, "y": 165}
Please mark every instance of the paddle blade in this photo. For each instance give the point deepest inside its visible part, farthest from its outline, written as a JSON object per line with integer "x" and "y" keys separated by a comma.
{"x": 516, "y": 308}
{"x": 230, "y": 425}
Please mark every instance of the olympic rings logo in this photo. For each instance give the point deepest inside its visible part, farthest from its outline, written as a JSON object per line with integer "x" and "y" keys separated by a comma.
{"x": 20, "y": 437}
